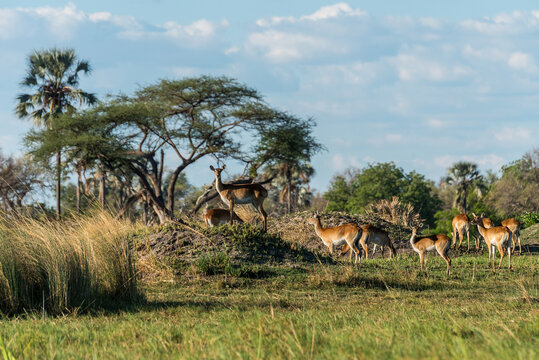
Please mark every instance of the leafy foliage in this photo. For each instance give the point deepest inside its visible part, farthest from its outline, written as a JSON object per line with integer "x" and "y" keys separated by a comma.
{"x": 517, "y": 189}
{"x": 383, "y": 181}
{"x": 529, "y": 218}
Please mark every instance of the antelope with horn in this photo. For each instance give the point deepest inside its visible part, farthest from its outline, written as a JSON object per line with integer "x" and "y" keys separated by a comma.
{"x": 499, "y": 237}
{"x": 439, "y": 242}
{"x": 338, "y": 235}
{"x": 233, "y": 194}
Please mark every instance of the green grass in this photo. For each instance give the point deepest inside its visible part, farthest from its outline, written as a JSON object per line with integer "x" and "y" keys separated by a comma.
{"x": 383, "y": 309}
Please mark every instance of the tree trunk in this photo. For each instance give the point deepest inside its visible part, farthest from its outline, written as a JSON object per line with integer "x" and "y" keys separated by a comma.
{"x": 289, "y": 184}
{"x": 58, "y": 184}
{"x": 146, "y": 217}
{"x": 78, "y": 192}
{"x": 102, "y": 189}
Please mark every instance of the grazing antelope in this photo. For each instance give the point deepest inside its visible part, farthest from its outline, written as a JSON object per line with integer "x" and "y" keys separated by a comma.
{"x": 514, "y": 226}
{"x": 499, "y": 236}
{"x": 439, "y": 242}
{"x": 216, "y": 217}
{"x": 232, "y": 194}
{"x": 337, "y": 235}
{"x": 375, "y": 236}
{"x": 460, "y": 224}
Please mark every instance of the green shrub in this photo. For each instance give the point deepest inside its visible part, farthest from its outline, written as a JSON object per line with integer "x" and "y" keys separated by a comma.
{"x": 529, "y": 218}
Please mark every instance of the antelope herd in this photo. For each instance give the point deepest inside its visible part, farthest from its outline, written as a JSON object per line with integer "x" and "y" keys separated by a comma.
{"x": 352, "y": 235}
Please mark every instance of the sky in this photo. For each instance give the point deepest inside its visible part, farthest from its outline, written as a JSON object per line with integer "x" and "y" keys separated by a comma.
{"x": 421, "y": 83}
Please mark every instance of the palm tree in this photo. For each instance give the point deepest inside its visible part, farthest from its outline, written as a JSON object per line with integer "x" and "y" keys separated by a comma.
{"x": 293, "y": 182}
{"x": 53, "y": 75}
{"x": 462, "y": 175}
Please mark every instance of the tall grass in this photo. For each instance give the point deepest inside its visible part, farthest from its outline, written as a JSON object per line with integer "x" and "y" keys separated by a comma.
{"x": 59, "y": 266}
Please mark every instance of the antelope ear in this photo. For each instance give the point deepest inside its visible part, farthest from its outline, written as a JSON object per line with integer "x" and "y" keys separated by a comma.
{"x": 482, "y": 214}
{"x": 473, "y": 214}
{"x": 212, "y": 168}
{"x": 224, "y": 167}
{"x": 420, "y": 225}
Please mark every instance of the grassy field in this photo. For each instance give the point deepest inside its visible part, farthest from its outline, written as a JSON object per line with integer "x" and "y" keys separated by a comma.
{"x": 383, "y": 309}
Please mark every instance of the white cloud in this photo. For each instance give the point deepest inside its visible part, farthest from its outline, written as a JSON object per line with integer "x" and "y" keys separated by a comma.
{"x": 503, "y": 24}
{"x": 430, "y": 22}
{"x": 436, "y": 123}
{"x": 63, "y": 23}
{"x": 279, "y": 46}
{"x": 195, "y": 34}
{"x": 394, "y": 138}
{"x": 521, "y": 61}
{"x": 508, "y": 135}
{"x": 486, "y": 161}
{"x": 124, "y": 22}
{"x": 337, "y": 162}
{"x": 232, "y": 50}
{"x": 183, "y": 71}
{"x": 417, "y": 67}
{"x": 326, "y": 12}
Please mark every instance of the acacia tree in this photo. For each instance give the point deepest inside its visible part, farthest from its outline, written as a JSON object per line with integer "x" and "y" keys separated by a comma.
{"x": 53, "y": 75}
{"x": 187, "y": 119}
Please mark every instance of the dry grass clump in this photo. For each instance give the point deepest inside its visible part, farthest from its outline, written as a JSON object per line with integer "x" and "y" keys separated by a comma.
{"x": 394, "y": 211}
{"x": 60, "y": 265}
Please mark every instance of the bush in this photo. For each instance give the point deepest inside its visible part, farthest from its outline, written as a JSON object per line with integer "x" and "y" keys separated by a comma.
{"x": 529, "y": 218}
{"x": 58, "y": 266}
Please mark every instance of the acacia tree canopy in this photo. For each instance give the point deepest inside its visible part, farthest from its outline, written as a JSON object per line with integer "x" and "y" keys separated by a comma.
{"x": 190, "y": 119}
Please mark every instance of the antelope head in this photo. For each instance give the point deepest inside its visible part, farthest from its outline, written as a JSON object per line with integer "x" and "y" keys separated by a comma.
{"x": 217, "y": 171}
{"x": 314, "y": 219}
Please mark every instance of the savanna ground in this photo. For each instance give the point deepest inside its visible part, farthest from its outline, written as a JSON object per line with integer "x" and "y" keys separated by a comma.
{"x": 216, "y": 308}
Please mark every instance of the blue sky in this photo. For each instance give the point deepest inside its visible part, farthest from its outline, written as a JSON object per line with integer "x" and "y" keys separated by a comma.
{"x": 420, "y": 83}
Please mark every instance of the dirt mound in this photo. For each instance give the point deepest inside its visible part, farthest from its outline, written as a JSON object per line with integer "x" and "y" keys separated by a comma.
{"x": 240, "y": 243}
{"x": 530, "y": 235}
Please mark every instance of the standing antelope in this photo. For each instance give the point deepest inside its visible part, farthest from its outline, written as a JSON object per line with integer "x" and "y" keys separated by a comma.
{"x": 337, "y": 235}
{"x": 375, "y": 236}
{"x": 216, "y": 217}
{"x": 232, "y": 194}
{"x": 486, "y": 223}
{"x": 460, "y": 224}
{"x": 439, "y": 242}
{"x": 499, "y": 236}
{"x": 514, "y": 226}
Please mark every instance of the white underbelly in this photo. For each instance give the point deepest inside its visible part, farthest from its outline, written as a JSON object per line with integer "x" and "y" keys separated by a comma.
{"x": 430, "y": 248}
{"x": 339, "y": 242}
